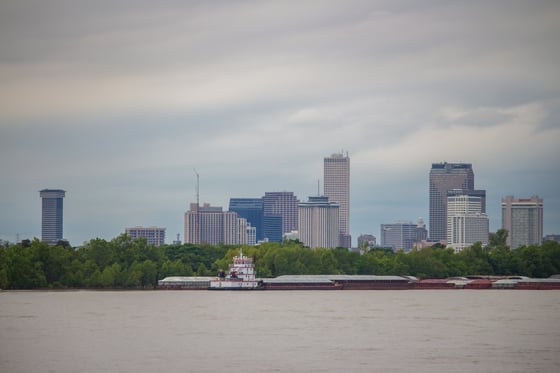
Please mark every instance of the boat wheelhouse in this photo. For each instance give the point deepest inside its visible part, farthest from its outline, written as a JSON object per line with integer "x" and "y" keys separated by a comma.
{"x": 241, "y": 275}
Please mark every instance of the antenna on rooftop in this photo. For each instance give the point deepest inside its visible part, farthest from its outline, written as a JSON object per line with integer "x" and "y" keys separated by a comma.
{"x": 318, "y": 188}
{"x": 197, "y": 226}
{"x": 197, "y": 186}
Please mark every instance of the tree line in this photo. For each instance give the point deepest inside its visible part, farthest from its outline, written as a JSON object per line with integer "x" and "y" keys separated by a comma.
{"x": 125, "y": 263}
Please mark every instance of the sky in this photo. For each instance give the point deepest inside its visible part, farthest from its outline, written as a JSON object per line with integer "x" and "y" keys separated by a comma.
{"x": 119, "y": 102}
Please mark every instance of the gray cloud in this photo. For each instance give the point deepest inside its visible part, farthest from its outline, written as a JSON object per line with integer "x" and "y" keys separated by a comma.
{"x": 117, "y": 103}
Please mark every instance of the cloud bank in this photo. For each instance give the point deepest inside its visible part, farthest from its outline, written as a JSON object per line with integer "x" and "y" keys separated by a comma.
{"x": 118, "y": 103}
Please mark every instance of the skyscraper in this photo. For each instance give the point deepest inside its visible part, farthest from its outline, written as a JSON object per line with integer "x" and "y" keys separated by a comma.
{"x": 319, "y": 223}
{"x": 272, "y": 228}
{"x": 336, "y": 176}
{"x": 466, "y": 223}
{"x": 285, "y": 205}
{"x": 523, "y": 219}
{"x": 250, "y": 209}
{"x": 443, "y": 178}
{"x": 51, "y": 223}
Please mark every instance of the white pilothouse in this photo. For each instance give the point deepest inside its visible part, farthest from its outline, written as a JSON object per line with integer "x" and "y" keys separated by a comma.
{"x": 241, "y": 275}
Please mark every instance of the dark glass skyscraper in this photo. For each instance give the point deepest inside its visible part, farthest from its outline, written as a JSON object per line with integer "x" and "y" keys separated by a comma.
{"x": 51, "y": 223}
{"x": 272, "y": 227}
{"x": 252, "y": 210}
{"x": 284, "y": 204}
{"x": 445, "y": 177}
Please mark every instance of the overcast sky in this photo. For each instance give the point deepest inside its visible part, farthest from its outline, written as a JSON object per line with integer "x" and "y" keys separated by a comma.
{"x": 117, "y": 102}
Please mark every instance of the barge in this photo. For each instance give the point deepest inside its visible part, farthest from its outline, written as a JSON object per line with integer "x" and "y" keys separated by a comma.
{"x": 242, "y": 276}
{"x": 353, "y": 282}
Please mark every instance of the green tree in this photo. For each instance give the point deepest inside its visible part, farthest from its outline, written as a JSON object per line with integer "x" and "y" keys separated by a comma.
{"x": 24, "y": 269}
{"x": 329, "y": 264}
{"x": 202, "y": 270}
{"x": 100, "y": 252}
{"x": 498, "y": 239}
{"x": 4, "y": 268}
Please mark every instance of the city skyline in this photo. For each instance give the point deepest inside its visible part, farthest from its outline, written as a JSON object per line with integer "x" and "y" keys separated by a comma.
{"x": 118, "y": 104}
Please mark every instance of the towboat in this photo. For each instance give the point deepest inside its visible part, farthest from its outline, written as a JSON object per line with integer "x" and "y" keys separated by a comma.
{"x": 241, "y": 276}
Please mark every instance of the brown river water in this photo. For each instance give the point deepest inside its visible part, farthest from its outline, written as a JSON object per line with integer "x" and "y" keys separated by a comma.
{"x": 280, "y": 331}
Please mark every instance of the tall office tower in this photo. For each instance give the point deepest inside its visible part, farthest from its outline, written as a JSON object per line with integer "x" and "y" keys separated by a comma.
{"x": 284, "y": 204}
{"x": 250, "y": 209}
{"x": 51, "y": 223}
{"x": 443, "y": 178}
{"x": 209, "y": 224}
{"x": 318, "y": 223}
{"x": 153, "y": 235}
{"x": 523, "y": 219}
{"x": 466, "y": 223}
{"x": 399, "y": 236}
{"x": 336, "y": 180}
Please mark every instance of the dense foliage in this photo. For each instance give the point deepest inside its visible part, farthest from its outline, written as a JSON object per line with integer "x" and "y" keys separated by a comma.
{"x": 123, "y": 263}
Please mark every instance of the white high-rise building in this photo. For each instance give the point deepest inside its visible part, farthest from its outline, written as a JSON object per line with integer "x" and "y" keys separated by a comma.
{"x": 318, "y": 223}
{"x": 337, "y": 189}
{"x": 466, "y": 223}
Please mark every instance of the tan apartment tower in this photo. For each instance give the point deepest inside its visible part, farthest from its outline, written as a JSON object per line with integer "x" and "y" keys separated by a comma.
{"x": 523, "y": 219}
{"x": 153, "y": 235}
{"x": 211, "y": 225}
{"x": 336, "y": 182}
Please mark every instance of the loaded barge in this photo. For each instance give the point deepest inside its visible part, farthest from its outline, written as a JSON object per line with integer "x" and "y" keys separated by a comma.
{"x": 242, "y": 276}
{"x": 356, "y": 282}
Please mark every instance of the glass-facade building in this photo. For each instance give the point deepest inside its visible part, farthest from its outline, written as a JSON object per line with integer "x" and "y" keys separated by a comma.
{"x": 272, "y": 228}
{"x": 445, "y": 177}
{"x": 285, "y": 205}
{"x": 250, "y": 209}
{"x": 51, "y": 219}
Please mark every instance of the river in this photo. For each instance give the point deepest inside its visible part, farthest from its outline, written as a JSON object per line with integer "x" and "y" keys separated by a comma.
{"x": 280, "y": 331}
